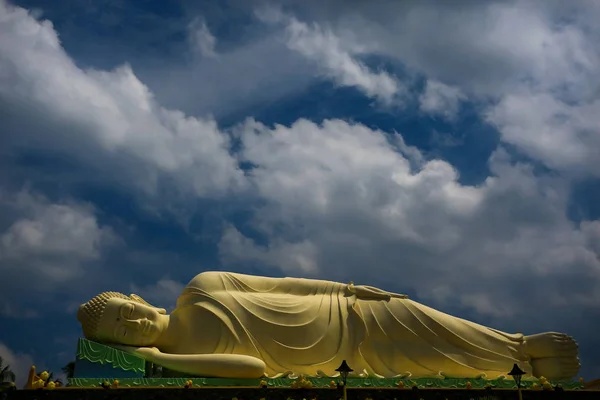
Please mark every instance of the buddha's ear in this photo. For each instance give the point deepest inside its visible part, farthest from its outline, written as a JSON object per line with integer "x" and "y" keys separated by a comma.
{"x": 137, "y": 298}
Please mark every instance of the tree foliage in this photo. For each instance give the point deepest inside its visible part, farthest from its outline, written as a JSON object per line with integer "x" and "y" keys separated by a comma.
{"x": 6, "y": 374}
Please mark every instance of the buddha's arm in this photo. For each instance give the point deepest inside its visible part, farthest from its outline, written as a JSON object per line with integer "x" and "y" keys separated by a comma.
{"x": 213, "y": 365}
{"x": 216, "y": 281}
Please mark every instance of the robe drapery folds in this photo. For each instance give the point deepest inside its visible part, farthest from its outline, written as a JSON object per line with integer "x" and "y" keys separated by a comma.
{"x": 309, "y": 326}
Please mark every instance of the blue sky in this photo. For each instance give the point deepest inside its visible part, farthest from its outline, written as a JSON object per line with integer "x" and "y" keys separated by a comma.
{"x": 449, "y": 151}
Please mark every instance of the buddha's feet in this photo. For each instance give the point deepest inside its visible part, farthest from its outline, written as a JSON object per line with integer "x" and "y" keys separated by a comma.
{"x": 553, "y": 355}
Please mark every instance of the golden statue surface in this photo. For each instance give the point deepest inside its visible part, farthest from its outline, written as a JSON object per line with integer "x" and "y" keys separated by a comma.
{"x": 242, "y": 326}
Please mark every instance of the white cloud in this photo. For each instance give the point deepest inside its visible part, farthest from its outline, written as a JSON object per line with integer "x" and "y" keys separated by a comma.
{"x": 253, "y": 75}
{"x": 108, "y": 121}
{"x": 163, "y": 293}
{"x": 300, "y": 257}
{"x": 486, "y": 48}
{"x": 342, "y": 201}
{"x": 535, "y": 63}
{"x": 335, "y": 57}
{"x": 440, "y": 99}
{"x": 19, "y": 363}
{"x": 53, "y": 230}
{"x": 201, "y": 39}
{"x": 565, "y": 137}
{"x": 45, "y": 245}
{"x": 591, "y": 231}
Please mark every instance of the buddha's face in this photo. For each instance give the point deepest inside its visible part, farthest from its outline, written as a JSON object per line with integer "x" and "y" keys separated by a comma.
{"x": 130, "y": 323}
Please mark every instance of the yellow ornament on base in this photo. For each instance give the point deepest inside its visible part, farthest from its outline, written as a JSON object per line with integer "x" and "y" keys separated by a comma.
{"x": 38, "y": 384}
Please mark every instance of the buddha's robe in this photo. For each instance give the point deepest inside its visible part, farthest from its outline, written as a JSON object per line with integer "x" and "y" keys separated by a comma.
{"x": 309, "y": 326}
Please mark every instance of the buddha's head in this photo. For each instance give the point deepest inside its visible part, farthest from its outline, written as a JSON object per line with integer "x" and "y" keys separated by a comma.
{"x": 113, "y": 317}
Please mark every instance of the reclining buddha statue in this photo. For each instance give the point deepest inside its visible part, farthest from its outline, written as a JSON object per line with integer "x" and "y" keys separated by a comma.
{"x": 241, "y": 326}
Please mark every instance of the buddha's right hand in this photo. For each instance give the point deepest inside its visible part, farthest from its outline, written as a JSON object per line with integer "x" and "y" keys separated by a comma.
{"x": 372, "y": 293}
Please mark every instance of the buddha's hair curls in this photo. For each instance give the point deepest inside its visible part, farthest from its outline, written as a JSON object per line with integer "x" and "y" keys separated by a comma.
{"x": 90, "y": 313}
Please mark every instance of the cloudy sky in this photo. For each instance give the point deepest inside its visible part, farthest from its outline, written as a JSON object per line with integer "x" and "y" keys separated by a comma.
{"x": 447, "y": 150}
